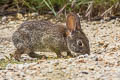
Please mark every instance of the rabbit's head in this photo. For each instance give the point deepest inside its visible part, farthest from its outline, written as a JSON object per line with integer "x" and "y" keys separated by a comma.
{"x": 77, "y": 42}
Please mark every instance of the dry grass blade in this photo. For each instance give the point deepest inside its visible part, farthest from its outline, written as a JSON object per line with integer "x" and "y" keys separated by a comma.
{"x": 113, "y": 9}
{"x": 89, "y": 10}
{"x": 73, "y": 3}
{"x": 108, "y": 11}
{"x": 62, "y": 9}
{"x": 27, "y": 4}
{"x": 117, "y": 5}
{"x": 16, "y": 3}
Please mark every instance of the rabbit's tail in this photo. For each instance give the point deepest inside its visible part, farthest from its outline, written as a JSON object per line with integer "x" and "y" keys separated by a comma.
{"x": 3, "y": 39}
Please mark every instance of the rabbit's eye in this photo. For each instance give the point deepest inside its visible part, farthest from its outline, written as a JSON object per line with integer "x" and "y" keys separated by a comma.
{"x": 79, "y": 42}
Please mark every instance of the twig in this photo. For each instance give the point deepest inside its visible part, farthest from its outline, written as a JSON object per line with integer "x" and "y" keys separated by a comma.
{"x": 62, "y": 9}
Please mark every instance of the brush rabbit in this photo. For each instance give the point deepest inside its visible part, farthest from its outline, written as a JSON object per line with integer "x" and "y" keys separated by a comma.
{"x": 44, "y": 36}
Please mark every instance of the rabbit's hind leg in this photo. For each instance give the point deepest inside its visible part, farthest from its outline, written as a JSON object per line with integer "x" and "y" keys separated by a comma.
{"x": 18, "y": 54}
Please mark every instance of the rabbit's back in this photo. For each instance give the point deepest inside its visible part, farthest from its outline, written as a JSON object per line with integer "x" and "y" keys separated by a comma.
{"x": 40, "y": 36}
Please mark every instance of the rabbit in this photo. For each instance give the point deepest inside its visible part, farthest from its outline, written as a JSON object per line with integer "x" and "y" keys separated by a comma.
{"x": 45, "y": 36}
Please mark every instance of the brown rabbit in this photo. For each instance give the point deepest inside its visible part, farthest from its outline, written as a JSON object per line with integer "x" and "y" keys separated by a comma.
{"x": 44, "y": 36}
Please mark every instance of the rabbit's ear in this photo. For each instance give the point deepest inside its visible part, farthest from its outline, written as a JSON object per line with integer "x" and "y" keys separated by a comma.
{"x": 73, "y": 22}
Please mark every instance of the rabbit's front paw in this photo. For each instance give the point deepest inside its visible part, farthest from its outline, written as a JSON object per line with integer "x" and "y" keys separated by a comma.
{"x": 34, "y": 55}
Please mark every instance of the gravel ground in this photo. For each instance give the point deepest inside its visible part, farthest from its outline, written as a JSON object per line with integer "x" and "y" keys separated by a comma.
{"x": 103, "y": 63}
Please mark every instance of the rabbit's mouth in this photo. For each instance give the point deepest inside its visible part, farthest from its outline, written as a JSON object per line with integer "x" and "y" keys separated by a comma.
{"x": 75, "y": 54}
